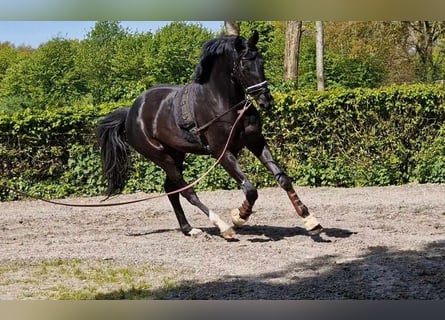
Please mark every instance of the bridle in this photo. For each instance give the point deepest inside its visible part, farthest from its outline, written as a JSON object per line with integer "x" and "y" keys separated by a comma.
{"x": 257, "y": 89}
{"x": 237, "y": 75}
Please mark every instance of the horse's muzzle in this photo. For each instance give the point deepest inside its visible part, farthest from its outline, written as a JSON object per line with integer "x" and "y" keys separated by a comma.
{"x": 265, "y": 100}
{"x": 260, "y": 92}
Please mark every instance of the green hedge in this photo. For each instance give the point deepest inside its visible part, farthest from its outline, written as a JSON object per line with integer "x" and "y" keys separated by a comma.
{"x": 360, "y": 137}
{"x": 51, "y": 153}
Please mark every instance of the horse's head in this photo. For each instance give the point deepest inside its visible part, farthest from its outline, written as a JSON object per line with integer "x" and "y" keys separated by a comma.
{"x": 249, "y": 70}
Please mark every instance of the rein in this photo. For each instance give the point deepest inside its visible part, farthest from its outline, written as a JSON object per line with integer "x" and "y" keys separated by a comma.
{"x": 247, "y": 103}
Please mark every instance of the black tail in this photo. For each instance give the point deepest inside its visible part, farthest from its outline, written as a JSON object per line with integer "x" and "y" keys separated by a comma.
{"x": 114, "y": 150}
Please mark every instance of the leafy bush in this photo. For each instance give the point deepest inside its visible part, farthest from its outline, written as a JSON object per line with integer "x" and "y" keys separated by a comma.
{"x": 358, "y": 137}
{"x": 39, "y": 147}
{"x": 430, "y": 160}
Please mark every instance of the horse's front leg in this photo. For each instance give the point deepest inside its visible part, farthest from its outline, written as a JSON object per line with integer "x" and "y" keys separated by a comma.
{"x": 262, "y": 152}
{"x": 231, "y": 165}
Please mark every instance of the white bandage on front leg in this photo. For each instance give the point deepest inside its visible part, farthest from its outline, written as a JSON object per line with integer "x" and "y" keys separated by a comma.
{"x": 310, "y": 222}
{"x": 217, "y": 221}
{"x": 236, "y": 219}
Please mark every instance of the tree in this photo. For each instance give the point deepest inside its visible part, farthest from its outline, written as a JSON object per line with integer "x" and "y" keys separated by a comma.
{"x": 292, "y": 50}
{"x": 18, "y": 88}
{"x": 271, "y": 46}
{"x": 174, "y": 51}
{"x": 56, "y": 73}
{"x": 424, "y": 38}
{"x": 130, "y": 75}
{"x": 369, "y": 54}
{"x": 45, "y": 78}
{"x": 320, "y": 55}
{"x": 9, "y": 55}
{"x": 10, "y": 76}
{"x": 94, "y": 56}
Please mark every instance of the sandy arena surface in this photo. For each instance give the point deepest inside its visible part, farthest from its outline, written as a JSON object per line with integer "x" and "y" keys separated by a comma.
{"x": 379, "y": 243}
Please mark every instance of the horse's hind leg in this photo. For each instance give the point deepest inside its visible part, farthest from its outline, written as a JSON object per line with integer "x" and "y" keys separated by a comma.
{"x": 261, "y": 150}
{"x": 226, "y": 231}
{"x": 186, "y": 228}
{"x": 176, "y": 181}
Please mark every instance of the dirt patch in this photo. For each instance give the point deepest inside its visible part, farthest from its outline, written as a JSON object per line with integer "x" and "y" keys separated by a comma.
{"x": 379, "y": 243}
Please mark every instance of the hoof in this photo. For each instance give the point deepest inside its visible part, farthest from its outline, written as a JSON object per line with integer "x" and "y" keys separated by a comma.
{"x": 194, "y": 232}
{"x": 229, "y": 234}
{"x": 236, "y": 219}
{"x": 315, "y": 231}
{"x": 311, "y": 223}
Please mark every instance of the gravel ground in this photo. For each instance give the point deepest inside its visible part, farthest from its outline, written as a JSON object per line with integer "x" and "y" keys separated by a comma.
{"x": 379, "y": 243}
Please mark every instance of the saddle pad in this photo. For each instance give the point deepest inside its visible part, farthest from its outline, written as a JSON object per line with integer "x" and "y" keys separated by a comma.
{"x": 183, "y": 113}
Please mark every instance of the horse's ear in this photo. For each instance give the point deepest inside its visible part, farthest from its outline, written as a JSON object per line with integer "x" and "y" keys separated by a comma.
{"x": 238, "y": 44}
{"x": 253, "y": 39}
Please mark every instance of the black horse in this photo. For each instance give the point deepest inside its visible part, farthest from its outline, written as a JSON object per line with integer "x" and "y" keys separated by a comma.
{"x": 168, "y": 121}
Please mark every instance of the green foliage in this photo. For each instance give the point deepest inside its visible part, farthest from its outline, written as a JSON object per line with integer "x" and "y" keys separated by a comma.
{"x": 130, "y": 75}
{"x": 51, "y": 99}
{"x": 271, "y": 45}
{"x": 83, "y": 171}
{"x": 174, "y": 52}
{"x": 110, "y": 64}
{"x": 341, "y": 71}
{"x": 359, "y": 137}
{"x": 45, "y": 151}
{"x": 196, "y": 166}
{"x": 46, "y": 78}
{"x": 9, "y": 55}
{"x": 144, "y": 176}
{"x": 19, "y": 86}
{"x": 430, "y": 160}
{"x": 94, "y": 57}
{"x": 346, "y": 72}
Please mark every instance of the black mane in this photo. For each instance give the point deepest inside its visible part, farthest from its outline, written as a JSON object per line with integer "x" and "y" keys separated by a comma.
{"x": 210, "y": 50}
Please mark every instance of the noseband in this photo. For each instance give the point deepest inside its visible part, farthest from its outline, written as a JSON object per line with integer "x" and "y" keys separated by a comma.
{"x": 257, "y": 89}
{"x": 252, "y": 91}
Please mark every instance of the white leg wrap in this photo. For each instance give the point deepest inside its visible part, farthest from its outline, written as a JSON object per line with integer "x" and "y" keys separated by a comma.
{"x": 236, "y": 219}
{"x": 195, "y": 232}
{"x": 310, "y": 222}
{"x": 216, "y": 220}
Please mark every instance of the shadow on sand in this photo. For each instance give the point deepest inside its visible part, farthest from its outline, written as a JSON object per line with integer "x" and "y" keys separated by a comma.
{"x": 380, "y": 273}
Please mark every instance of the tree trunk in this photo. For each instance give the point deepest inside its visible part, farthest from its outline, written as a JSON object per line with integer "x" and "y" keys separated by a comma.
{"x": 320, "y": 55}
{"x": 232, "y": 28}
{"x": 292, "y": 50}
